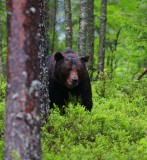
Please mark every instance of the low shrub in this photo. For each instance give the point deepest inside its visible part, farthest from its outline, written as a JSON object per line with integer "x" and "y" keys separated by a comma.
{"x": 114, "y": 129}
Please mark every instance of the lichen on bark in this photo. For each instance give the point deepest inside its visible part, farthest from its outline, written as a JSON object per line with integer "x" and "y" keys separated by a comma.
{"x": 22, "y": 127}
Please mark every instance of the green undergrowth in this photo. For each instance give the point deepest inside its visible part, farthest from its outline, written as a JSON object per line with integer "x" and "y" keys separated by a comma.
{"x": 115, "y": 129}
{"x": 2, "y": 111}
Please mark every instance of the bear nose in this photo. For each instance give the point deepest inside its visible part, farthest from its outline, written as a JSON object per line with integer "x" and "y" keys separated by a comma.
{"x": 75, "y": 82}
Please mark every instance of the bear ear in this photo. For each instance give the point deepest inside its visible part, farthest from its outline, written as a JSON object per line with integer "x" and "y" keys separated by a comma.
{"x": 58, "y": 56}
{"x": 85, "y": 58}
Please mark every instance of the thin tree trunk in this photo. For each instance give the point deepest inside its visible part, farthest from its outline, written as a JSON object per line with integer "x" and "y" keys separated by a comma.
{"x": 102, "y": 36}
{"x": 22, "y": 128}
{"x": 48, "y": 30}
{"x": 111, "y": 57}
{"x": 68, "y": 23}
{"x": 43, "y": 50}
{"x": 82, "y": 37}
{"x": 54, "y": 26}
{"x": 90, "y": 39}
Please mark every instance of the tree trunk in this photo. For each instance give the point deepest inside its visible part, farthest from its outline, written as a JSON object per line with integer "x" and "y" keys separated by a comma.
{"x": 82, "y": 37}
{"x": 111, "y": 60}
{"x": 90, "y": 39}
{"x": 102, "y": 36}
{"x": 22, "y": 127}
{"x": 54, "y": 26}
{"x": 43, "y": 50}
{"x": 68, "y": 23}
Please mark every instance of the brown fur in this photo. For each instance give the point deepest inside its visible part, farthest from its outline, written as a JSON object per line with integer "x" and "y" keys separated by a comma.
{"x": 68, "y": 74}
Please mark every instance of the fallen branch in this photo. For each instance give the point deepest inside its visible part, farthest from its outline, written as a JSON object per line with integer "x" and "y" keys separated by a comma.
{"x": 142, "y": 74}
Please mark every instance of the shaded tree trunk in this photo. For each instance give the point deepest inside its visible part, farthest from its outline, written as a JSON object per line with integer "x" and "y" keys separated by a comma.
{"x": 43, "y": 52}
{"x": 82, "y": 37}
{"x": 68, "y": 23}
{"x": 111, "y": 61}
{"x": 102, "y": 36}
{"x": 22, "y": 127}
{"x": 51, "y": 8}
{"x": 90, "y": 39}
{"x": 54, "y": 26}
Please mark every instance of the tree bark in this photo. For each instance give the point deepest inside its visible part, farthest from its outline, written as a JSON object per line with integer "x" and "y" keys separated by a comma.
{"x": 22, "y": 127}
{"x": 82, "y": 37}
{"x": 90, "y": 39}
{"x": 54, "y": 26}
{"x": 42, "y": 53}
{"x": 111, "y": 61}
{"x": 68, "y": 23}
{"x": 102, "y": 36}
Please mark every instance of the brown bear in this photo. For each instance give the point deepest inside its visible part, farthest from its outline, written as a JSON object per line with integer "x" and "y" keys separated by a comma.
{"x": 68, "y": 76}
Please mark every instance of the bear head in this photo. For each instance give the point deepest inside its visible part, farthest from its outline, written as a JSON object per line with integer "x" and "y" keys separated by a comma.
{"x": 70, "y": 68}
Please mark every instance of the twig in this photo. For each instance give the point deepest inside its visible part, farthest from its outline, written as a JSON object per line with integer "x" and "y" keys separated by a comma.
{"x": 142, "y": 74}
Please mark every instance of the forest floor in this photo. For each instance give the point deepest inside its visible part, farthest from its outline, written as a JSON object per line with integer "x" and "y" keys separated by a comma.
{"x": 116, "y": 128}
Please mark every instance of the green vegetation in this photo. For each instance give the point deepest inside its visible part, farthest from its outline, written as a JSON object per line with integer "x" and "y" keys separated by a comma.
{"x": 2, "y": 113}
{"x": 115, "y": 129}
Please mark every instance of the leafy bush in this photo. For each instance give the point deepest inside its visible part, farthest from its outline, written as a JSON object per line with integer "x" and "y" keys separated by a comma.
{"x": 2, "y": 109}
{"x": 115, "y": 129}
{"x": 2, "y": 89}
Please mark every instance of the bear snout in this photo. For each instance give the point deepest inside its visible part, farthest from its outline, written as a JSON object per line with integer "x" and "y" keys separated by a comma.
{"x": 72, "y": 80}
{"x": 72, "y": 83}
{"x": 75, "y": 82}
